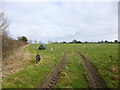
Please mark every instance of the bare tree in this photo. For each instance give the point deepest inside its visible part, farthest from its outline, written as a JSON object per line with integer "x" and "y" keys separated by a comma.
{"x": 30, "y": 41}
{"x": 4, "y": 33}
{"x": 49, "y": 42}
{"x": 39, "y": 42}
{"x": 3, "y": 25}
{"x": 35, "y": 41}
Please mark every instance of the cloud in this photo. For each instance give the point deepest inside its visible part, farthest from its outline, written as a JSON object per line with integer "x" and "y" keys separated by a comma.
{"x": 61, "y": 0}
{"x": 60, "y": 21}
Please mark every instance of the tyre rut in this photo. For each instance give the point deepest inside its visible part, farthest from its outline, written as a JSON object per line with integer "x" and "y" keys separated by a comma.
{"x": 95, "y": 80}
{"x": 53, "y": 76}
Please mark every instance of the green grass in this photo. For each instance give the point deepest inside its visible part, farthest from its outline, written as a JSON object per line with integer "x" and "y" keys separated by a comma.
{"x": 34, "y": 73}
{"x": 73, "y": 75}
{"x": 104, "y": 57}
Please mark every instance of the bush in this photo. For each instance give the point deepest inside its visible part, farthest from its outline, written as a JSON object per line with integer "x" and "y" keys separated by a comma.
{"x": 23, "y": 38}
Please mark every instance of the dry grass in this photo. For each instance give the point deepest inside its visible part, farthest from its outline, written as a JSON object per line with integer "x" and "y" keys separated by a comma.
{"x": 9, "y": 45}
{"x": 15, "y": 62}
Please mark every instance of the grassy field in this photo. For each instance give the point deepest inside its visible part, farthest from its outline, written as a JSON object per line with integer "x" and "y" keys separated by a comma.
{"x": 104, "y": 57}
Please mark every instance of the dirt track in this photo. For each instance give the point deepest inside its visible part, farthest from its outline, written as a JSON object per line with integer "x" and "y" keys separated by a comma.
{"x": 53, "y": 76}
{"x": 94, "y": 78}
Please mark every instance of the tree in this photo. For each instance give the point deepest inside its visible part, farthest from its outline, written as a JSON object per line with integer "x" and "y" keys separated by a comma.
{"x": 56, "y": 42}
{"x": 39, "y": 42}
{"x": 102, "y": 42}
{"x": 116, "y": 41}
{"x": 64, "y": 42}
{"x": 23, "y": 38}
{"x": 3, "y": 26}
{"x": 4, "y": 39}
{"x": 106, "y": 41}
{"x": 74, "y": 41}
{"x": 35, "y": 41}
{"x": 30, "y": 41}
{"x": 78, "y": 42}
{"x": 49, "y": 42}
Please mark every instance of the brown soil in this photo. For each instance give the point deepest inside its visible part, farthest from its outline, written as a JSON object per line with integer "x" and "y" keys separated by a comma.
{"x": 15, "y": 62}
{"x": 94, "y": 78}
{"x": 53, "y": 76}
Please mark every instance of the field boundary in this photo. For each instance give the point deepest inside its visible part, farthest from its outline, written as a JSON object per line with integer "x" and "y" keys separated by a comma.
{"x": 93, "y": 77}
{"x": 53, "y": 76}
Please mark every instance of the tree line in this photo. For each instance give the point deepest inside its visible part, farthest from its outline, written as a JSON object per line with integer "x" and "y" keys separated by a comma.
{"x": 63, "y": 42}
{"x": 77, "y": 41}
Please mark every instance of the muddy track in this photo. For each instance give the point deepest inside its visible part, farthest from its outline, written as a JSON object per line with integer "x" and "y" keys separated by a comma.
{"x": 53, "y": 76}
{"x": 95, "y": 80}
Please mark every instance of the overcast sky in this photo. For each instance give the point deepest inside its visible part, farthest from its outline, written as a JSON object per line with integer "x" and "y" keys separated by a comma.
{"x": 63, "y": 21}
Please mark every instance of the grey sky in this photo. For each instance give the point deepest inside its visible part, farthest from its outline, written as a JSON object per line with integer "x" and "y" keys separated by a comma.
{"x": 63, "y": 21}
